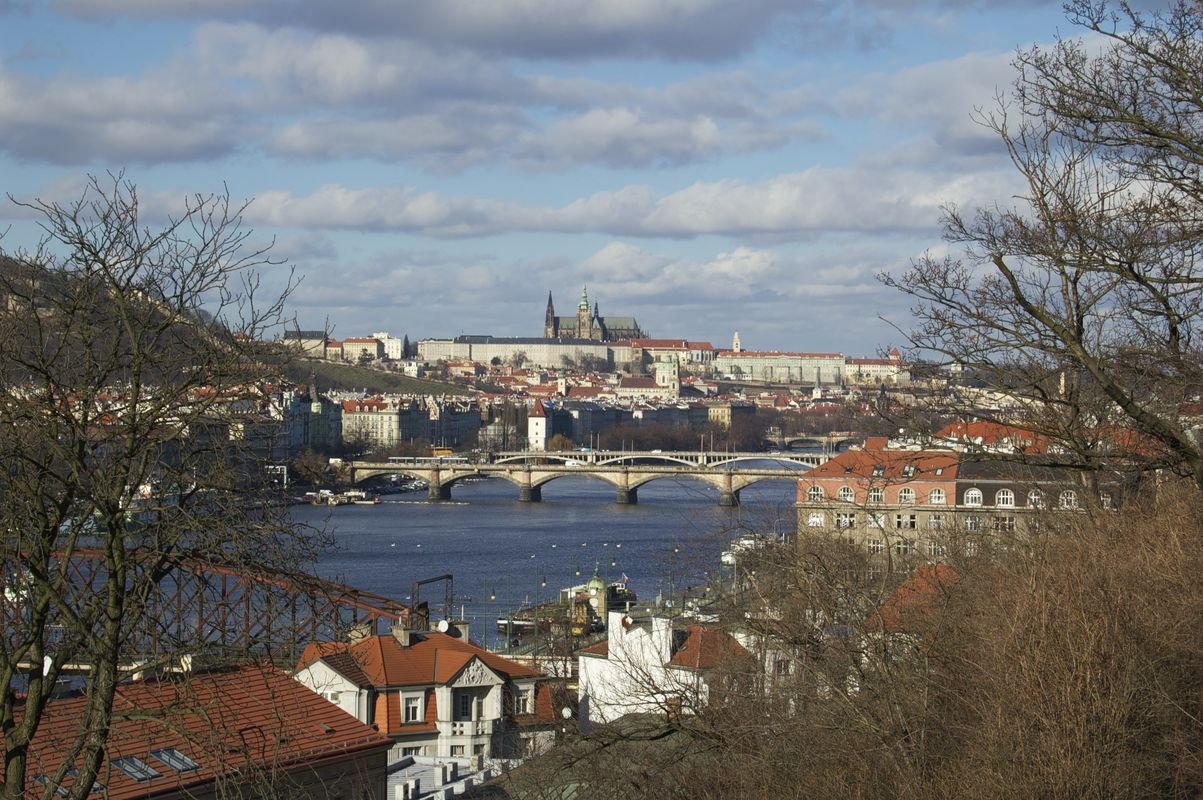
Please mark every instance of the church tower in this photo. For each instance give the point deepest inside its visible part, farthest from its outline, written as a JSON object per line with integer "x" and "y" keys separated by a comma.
{"x": 584, "y": 321}
{"x": 736, "y": 346}
{"x": 549, "y": 321}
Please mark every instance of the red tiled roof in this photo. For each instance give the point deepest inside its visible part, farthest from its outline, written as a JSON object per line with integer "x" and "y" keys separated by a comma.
{"x": 892, "y": 464}
{"x": 431, "y": 659}
{"x": 914, "y": 604}
{"x": 239, "y": 721}
{"x": 989, "y": 434}
{"x": 706, "y": 647}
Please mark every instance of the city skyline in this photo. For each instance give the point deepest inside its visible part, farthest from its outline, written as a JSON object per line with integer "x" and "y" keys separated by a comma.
{"x": 435, "y": 170}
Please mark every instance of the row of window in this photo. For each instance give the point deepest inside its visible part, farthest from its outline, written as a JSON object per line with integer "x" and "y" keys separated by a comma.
{"x": 1003, "y": 498}
{"x": 908, "y": 522}
{"x": 906, "y": 547}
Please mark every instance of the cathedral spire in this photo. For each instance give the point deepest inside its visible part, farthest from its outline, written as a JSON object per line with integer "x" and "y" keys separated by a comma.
{"x": 549, "y": 320}
{"x": 584, "y": 304}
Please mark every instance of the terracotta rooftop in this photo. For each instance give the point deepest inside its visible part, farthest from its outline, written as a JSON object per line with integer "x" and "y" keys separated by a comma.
{"x": 186, "y": 732}
{"x": 431, "y": 659}
{"x": 914, "y": 605}
{"x": 886, "y": 465}
{"x": 706, "y": 647}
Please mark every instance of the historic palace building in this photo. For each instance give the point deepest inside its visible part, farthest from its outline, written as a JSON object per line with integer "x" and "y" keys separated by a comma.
{"x": 589, "y": 324}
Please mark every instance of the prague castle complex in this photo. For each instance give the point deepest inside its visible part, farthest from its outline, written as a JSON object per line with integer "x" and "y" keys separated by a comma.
{"x": 589, "y": 324}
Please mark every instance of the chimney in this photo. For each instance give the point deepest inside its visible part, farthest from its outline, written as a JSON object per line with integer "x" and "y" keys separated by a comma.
{"x": 401, "y": 634}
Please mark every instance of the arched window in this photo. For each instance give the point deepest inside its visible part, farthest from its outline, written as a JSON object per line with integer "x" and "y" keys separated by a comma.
{"x": 1035, "y": 499}
{"x": 1004, "y": 498}
{"x": 973, "y": 497}
{"x": 877, "y": 495}
{"x": 936, "y": 497}
{"x": 1069, "y": 499}
{"x": 814, "y": 494}
{"x": 906, "y": 495}
{"x": 846, "y": 494}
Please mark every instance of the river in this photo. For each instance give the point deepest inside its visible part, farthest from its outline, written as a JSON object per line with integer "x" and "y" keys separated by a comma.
{"x": 498, "y": 547}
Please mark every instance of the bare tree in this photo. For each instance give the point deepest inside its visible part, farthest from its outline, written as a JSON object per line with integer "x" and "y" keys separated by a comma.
{"x": 132, "y": 436}
{"x": 1082, "y": 301}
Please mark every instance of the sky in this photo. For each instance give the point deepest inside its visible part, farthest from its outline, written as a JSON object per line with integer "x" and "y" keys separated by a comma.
{"x": 433, "y": 169}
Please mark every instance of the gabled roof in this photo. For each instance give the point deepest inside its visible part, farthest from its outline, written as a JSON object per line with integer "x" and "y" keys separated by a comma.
{"x": 224, "y": 723}
{"x": 430, "y": 659}
{"x": 705, "y": 647}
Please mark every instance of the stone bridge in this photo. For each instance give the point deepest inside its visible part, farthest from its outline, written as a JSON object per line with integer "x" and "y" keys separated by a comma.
{"x": 625, "y": 471}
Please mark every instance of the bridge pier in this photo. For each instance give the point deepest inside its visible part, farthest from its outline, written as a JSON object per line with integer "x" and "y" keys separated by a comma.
{"x": 437, "y": 492}
{"x": 728, "y": 499}
{"x": 627, "y": 497}
{"x": 530, "y": 494}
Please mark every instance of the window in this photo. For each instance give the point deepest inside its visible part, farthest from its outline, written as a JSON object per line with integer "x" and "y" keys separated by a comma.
{"x": 908, "y": 471}
{"x": 846, "y": 494}
{"x": 781, "y": 667}
{"x": 457, "y": 750}
{"x": 971, "y": 548}
{"x": 1035, "y": 499}
{"x": 1004, "y": 523}
{"x": 1068, "y": 499}
{"x": 973, "y": 522}
{"x": 878, "y": 470}
{"x": 935, "y": 549}
{"x": 465, "y": 706}
{"x": 877, "y": 520}
{"x": 876, "y": 545}
{"x": 522, "y": 701}
{"x": 1004, "y": 498}
{"x": 480, "y": 707}
{"x": 906, "y": 522}
{"x": 413, "y": 709}
{"x": 935, "y": 522}
{"x": 814, "y": 494}
{"x": 174, "y": 759}
{"x": 136, "y": 768}
{"x": 411, "y": 751}
{"x": 973, "y": 497}
{"x": 904, "y": 547}
{"x": 877, "y": 495}
{"x": 816, "y": 519}
{"x": 332, "y": 696}
{"x": 906, "y": 495}
{"x": 1105, "y": 499}
{"x": 845, "y": 519}
{"x": 874, "y": 572}
{"x": 936, "y": 497}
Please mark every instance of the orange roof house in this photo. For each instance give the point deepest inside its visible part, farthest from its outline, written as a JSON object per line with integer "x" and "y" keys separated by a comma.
{"x": 205, "y": 735}
{"x": 433, "y": 694}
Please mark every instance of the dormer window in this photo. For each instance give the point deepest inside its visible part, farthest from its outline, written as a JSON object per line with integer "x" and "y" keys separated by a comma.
{"x": 878, "y": 470}
{"x": 908, "y": 471}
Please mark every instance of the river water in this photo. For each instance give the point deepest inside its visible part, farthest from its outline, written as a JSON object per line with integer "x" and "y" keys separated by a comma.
{"x": 497, "y": 547}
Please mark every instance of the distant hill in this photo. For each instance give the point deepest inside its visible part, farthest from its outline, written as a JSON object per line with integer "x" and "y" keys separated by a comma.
{"x": 352, "y": 377}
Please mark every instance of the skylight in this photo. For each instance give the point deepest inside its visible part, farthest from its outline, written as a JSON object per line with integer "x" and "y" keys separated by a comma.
{"x": 175, "y": 759}
{"x": 45, "y": 781}
{"x": 136, "y": 768}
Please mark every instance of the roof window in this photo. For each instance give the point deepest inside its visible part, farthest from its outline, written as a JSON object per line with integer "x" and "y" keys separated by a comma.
{"x": 175, "y": 759}
{"x": 136, "y": 768}
{"x": 878, "y": 470}
{"x": 908, "y": 471}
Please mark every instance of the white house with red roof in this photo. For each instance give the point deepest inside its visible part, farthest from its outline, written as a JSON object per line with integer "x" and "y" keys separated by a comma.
{"x": 647, "y": 665}
{"x": 433, "y": 694}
